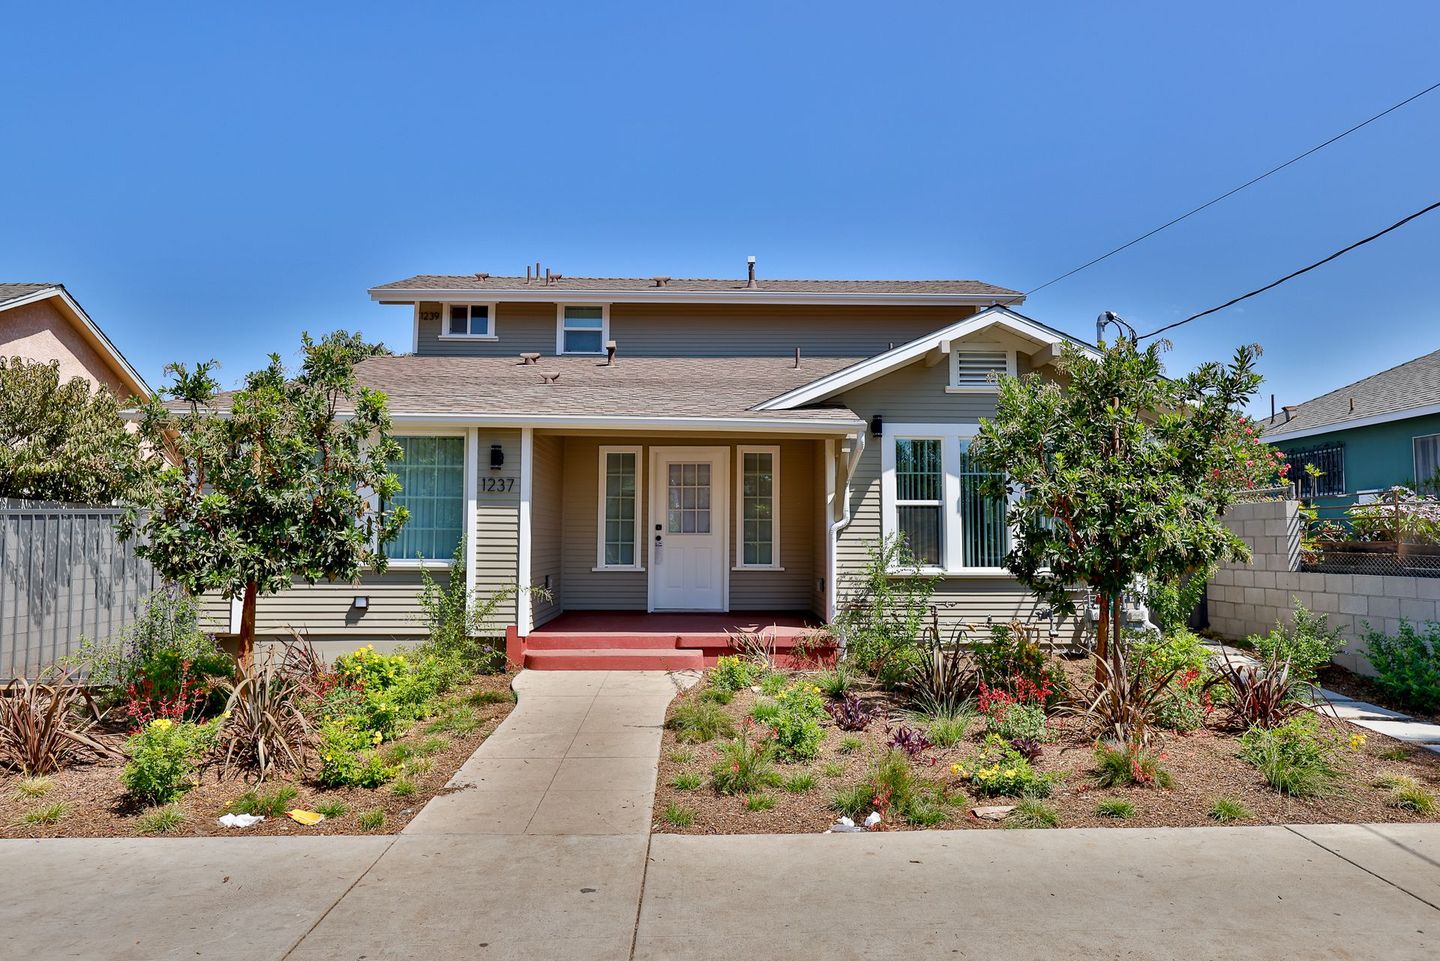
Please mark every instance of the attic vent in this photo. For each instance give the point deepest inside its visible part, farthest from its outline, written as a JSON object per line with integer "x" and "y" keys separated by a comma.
{"x": 480, "y": 276}
{"x": 528, "y": 359}
{"x": 660, "y": 281}
{"x": 978, "y": 369}
{"x": 549, "y": 376}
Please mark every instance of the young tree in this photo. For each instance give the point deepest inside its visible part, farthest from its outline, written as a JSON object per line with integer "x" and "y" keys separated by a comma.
{"x": 61, "y": 442}
{"x": 1121, "y": 473}
{"x": 276, "y": 481}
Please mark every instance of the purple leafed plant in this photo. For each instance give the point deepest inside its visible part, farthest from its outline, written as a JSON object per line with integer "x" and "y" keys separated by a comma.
{"x": 851, "y": 714}
{"x": 910, "y": 740}
{"x": 1028, "y": 747}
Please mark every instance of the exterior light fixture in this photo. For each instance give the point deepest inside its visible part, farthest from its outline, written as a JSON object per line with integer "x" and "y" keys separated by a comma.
{"x": 877, "y": 425}
{"x": 361, "y": 602}
{"x": 497, "y": 457}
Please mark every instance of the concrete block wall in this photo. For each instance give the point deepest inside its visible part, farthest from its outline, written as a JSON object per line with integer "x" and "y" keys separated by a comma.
{"x": 1251, "y": 598}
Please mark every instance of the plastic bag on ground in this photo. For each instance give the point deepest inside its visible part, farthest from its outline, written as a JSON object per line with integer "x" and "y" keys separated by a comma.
{"x": 240, "y": 820}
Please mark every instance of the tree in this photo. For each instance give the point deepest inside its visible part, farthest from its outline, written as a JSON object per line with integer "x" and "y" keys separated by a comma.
{"x": 282, "y": 479}
{"x": 1121, "y": 473}
{"x": 61, "y": 442}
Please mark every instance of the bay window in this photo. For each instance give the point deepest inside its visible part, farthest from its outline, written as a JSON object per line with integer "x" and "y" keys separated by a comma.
{"x": 934, "y": 496}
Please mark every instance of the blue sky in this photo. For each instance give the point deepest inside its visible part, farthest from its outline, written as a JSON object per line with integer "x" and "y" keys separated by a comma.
{"x": 210, "y": 181}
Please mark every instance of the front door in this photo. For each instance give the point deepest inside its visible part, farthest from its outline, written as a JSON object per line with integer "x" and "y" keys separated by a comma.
{"x": 688, "y": 522}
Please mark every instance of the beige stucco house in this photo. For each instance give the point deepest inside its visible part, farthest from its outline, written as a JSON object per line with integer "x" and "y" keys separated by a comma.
{"x": 43, "y": 322}
{"x": 676, "y": 458}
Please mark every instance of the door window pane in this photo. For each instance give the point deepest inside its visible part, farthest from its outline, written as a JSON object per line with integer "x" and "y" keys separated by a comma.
{"x": 432, "y": 485}
{"x": 687, "y": 499}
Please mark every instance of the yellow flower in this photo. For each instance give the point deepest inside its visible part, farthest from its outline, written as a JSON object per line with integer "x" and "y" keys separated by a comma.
{"x": 1357, "y": 741}
{"x": 954, "y": 769}
{"x": 161, "y": 724}
{"x": 376, "y": 737}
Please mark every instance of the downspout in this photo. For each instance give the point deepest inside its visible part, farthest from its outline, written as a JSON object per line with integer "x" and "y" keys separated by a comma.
{"x": 843, "y": 522}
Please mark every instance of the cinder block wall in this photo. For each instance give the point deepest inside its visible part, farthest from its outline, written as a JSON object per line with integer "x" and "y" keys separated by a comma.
{"x": 1250, "y": 598}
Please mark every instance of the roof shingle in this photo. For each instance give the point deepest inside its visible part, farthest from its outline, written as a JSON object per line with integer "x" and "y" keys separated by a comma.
{"x": 1413, "y": 384}
{"x": 446, "y": 282}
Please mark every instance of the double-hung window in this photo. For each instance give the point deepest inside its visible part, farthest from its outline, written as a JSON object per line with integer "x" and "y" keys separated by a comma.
{"x": 432, "y": 487}
{"x": 936, "y": 499}
{"x": 1427, "y": 462}
{"x": 619, "y": 520}
{"x": 582, "y": 329}
{"x": 758, "y": 496}
{"x": 469, "y": 320}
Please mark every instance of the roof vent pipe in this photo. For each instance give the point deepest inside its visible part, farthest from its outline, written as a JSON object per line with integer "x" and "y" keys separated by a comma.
{"x": 547, "y": 276}
{"x": 797, "y": 358}
{"x": 1287, "y": 409}
{"x": 527, "y": 275}
{"x": 609, "y": 353}
{"x": 750, "y": 268}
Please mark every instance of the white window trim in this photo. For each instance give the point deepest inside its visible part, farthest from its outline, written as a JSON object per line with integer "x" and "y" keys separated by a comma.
{"x": 951, "y": 531}
{"x": 560, "y": 329}
{"x": 1414, "y": 465}
{"x": 959, "y": 347}
{"x": 489, "y": 334}
{"x": 600, "y": 564}
{"x": 467, "y": 496}
{"x": 774, "y": 451}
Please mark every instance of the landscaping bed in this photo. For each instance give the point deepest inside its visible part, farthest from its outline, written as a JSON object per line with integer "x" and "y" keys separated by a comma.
{"x": 1203, "y": 766}
{"x": 94, "y": 802}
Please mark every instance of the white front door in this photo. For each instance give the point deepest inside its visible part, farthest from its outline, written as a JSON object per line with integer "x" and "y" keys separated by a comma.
{"x": 689, "y": 551}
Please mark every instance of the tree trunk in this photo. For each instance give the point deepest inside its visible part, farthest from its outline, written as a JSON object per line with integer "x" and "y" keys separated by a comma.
{"x": 247, "y": 625}
{"x": 1102, "y": 634}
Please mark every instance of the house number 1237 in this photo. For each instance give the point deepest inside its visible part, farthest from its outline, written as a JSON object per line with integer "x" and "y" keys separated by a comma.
{"x": 497, "y": 485}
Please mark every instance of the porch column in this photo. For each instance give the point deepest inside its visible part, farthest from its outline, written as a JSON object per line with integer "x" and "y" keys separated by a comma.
{"x": 830, "y": 468}
{"x": 472, "y": 514}
{"x": 524, "y": 615}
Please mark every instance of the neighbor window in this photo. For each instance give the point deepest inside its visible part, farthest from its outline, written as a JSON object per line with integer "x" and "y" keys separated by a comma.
{"x": 469, "y": 320}
{"x": 759, "y": 496}
{"x": 1318, "y": 471}
{"x": 919, "y": 498}
{"x": 935, "y": 497}
{"x": 979, "y": 368}
{"x": 582, "y": 330}
{"x": 432, "y": 488}
{"x": 619, "y": 507}
{"x": 1427, "y": 462}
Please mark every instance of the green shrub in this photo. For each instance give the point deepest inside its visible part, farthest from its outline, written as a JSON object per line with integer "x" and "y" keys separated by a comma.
{"x": 717, "y": 695}
{"x": 732, "y": 672}
{"x": 897, "y": 791}
{"x": 164, "y": 758}
{"x": 1012, "y": 652}
{"x": 269, "y": 804}
{"x": 837, "y": 683}
{"x": 759, "y": 802}
{"x": 745, "y": 764}
{"x": 33, "y": 786}
{"x": 695, "y": 722}
{"x": 681, "y": 756}
{"x": 331, "y": 809}
{"x": 850, "y": 745}
{"x": 1226, "y": 809}
{"x": 854, "y": 800}
{"x": 686, "y": 781}
{"x": 949, "y": 729}
{"x": 887, "y": 616}
{"x": 765, "y": 711}
{"x": 1309, "y": 643}
{"x": 1407, "y": 794}
{"x": 1000, "y": 770}
{"x": 1032, "y": 812}
{"x": 348, "y": 756}
{"x": 773, "y": 683}
{"x": 1296, "y": 758}
{"x": 1185, "y": 705}
{"x": 372, "y": 820}
{"x": 1119, "y": 765}
{"x": 833, "y": 769}
{"x": 800, "y": 783}
{"x": 1015, "y": 721}
{"x": 1115, "y": 808}
{"x": 460, "y": 624}
{"x": 1179, "y": 652}
{"x": 1407, "y": 666}
{"x": 677, "y": 816}
{"x": 49, "y": 814}
{"x": 797, "y": 722}
{"x": 403, "y": 787}
{"x": 161, "y": 820}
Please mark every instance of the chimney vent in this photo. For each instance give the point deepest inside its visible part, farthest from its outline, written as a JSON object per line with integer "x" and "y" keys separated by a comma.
{"x": 750, "y": 270}
{"x": 549, "y": 376}
{"x": 529, "y": 359}
{"x": 609, "y": 353}
{"x": 480, "y": 276}
{"x": 1287, "y": 409}
{"x": 660, "y": 281}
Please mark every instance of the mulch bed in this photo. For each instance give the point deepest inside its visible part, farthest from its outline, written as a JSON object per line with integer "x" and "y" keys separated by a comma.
{"x": 1362, "y": 688}
{"x": 1204, "y": 764}
{"x": 97, "y": 806}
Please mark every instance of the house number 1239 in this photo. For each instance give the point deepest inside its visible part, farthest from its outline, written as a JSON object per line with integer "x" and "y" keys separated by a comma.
{"x": 497, "y": 485}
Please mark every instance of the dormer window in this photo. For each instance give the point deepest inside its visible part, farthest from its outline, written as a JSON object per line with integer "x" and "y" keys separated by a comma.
{"x": 976, "y": 368}
{"x": 582, "y": 329}
{"x": 470, "y": 320}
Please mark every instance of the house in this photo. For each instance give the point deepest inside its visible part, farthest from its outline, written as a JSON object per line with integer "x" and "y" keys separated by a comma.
{"x": 671, "y": 460}
{"x": 43, "y": 322}
{"x": 1367, "y": 436}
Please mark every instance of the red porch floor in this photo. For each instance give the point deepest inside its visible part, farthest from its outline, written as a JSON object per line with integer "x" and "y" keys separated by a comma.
{"x": 633, "y": 641}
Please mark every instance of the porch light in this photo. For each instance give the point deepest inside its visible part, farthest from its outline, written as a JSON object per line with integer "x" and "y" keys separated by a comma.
{"x": 361, "y": 602}
{"x": 497, "y": 457}
{"x": 877, "y": 425}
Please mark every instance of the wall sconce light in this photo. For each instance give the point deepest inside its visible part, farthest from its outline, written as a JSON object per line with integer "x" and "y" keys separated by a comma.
{"x": 877, "y": 425}
{"x": 361, "y": 602}
{"x": 497, "y": 457}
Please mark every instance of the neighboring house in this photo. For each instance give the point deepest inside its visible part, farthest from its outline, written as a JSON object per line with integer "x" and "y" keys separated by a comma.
{"x": 1367, "y": 436}
{"x": 686, "y": 447}
{"x": 43, "y": 322}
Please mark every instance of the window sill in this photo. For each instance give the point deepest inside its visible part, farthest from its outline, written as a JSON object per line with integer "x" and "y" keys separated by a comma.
{"x": 416, "y": 565}
{"x": 996, "y": 572}
{"x": 757, "y": 567}
{"x": 972, "y": 390}
{"x": 612, "y": 570}
{"x": 466, "y": 337}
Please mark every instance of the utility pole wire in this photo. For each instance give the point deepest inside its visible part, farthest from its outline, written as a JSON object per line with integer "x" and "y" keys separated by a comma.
{"x": 1236, "y": 190}
{"x": 1291, "y": 276}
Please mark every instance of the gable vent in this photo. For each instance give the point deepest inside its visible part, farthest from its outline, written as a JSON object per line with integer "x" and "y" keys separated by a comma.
{"x": 980, "y": 368}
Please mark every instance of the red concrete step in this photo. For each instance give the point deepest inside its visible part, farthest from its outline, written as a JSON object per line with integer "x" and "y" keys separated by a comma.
{"x": 613, "y": 659}
{"x": 588, "y": 641}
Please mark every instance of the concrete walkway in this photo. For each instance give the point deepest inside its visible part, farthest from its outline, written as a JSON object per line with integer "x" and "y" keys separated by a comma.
{"x": 544, "y": 852}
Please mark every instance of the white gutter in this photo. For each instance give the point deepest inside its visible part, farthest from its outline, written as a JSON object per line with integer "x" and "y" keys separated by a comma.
{"x": 1385, "y": 418}
{"x": 794, "y": 425}
{"x": 846, "y": 516}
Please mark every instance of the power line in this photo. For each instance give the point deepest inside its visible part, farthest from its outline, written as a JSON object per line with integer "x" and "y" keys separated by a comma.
{"x": 1291, "y": 276}
{"x": 1236, "y": 190}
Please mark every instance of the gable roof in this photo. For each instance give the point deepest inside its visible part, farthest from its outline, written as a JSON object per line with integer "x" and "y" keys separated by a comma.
{"x": 1411, "y": 389}
{"x": 14, "y": 295}
{"x": 882, "y": 364}
{"x": 642, "y": 289}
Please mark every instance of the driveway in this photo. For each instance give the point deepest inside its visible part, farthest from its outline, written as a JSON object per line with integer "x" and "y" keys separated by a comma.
{"x": 545, "y": 852}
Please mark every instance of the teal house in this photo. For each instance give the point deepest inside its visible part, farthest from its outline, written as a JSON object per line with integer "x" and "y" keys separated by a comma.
{"x": 1367, "y": 436}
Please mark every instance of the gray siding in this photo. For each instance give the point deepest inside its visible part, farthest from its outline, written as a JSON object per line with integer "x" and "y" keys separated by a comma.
{"x": 790, "y": 589}
{"x": 917, "y": 394}
{"x": 547, "y": 527}
{"x": 587, "y": 589}
{"x": 497, "y": 528}
{"x": 706, "y": 330}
